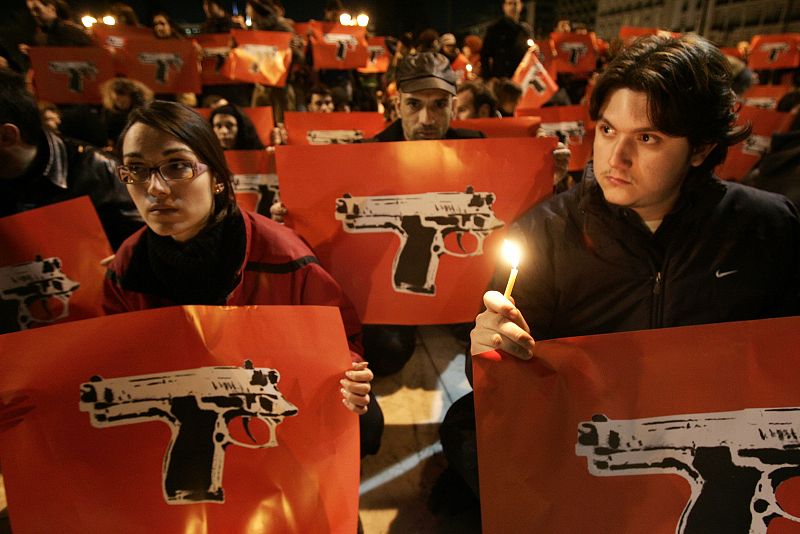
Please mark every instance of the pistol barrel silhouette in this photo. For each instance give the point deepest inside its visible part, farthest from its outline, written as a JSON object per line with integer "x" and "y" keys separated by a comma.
{"x": 374, "y": 53}
{"x": 36, "y": 281}
{"x": 333, "y": 137}
{"x": 77, "y": 71}
{"x": 162, "y": 61}
{"x": 343, "y": 41}
{"x": 566, "y": 131}
{"x": 197, "y": 404}
{"x": 422, "y": 222}
{"x": 219, "y": 53}
{"x": 733, "y": 461}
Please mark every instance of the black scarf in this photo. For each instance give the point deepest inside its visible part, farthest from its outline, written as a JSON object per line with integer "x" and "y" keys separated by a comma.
{"x": 202, "y": 270}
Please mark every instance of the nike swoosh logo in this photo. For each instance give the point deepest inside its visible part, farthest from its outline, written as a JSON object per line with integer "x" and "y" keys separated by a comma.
{"x": 724, "y": 274}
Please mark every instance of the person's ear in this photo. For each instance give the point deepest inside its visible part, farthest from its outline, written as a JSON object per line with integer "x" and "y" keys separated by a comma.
{"x": 9, "y": 135}
{"x": 397, "y": 104}
{"x": 700, "y": 153}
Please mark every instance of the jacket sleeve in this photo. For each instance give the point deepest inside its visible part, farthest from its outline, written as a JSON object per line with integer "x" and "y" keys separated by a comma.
{"x": 319, "y": 288}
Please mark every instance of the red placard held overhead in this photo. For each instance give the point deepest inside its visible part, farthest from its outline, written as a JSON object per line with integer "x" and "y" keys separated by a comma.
{"x": 683, "y": 430}
{"x": 774, "y": 52}
{"x": 534, "y": 80}
{"x": 50, "y": 268}
{"x": 575, "y": 52}
{"x": 378, "y": 56}
{"x": 571, "y": 125}
{"x": 505, "y": 127}
{"x": 70, "y": 75}
{"x": 744, "y": 156}
{"x": 216, "y": 48}
{"x": 412, "y": 230}
{"x": 182, "y": 419}
{"x": 308, "y": 128}
{"x": 163, "y": 65}
{"x": 259, "y": 57}
{"x": 255, "y": 178}
{"x": 338, "y": 47}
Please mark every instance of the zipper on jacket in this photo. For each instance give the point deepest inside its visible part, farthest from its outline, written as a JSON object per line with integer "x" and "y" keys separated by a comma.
{"x": 656, "y": 313}
{"x": 657, "y": 284}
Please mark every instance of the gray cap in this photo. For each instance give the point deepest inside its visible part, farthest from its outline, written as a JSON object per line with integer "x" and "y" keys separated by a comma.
{"x": 427, "y": 70}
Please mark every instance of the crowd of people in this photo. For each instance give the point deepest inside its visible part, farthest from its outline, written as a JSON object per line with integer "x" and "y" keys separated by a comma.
{"x": 630, "y": 246}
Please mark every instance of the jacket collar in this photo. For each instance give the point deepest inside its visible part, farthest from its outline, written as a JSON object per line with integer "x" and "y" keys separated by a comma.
{"x": 55, "y": 169}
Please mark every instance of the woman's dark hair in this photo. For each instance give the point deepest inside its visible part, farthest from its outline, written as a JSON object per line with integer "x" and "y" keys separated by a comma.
{"x": 175, "y": 31}
{"x": 688, "y": 86}
{"x": 246, "y": 136}
{"x": 190, "y": 128}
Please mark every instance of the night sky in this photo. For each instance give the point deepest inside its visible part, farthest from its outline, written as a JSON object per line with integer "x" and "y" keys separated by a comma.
{"x": 389, "y": 17}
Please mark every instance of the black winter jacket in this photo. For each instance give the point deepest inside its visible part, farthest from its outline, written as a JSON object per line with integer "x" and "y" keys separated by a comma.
{"x": 65, "y": 169}
{"x": 726, "y": 252}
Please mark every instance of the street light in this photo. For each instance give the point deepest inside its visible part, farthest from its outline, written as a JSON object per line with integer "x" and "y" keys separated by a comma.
{"x": 108, "y": 20}
{"x": 88, "y": 21}
{"x": 345, "y": 19}
{"x": 363, "y": 20}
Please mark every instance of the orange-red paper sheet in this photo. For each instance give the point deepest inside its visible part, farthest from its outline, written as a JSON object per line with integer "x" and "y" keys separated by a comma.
{"x": 96, "y": 463}
{"x": 505, "y": 127}
{"x": 745, "y": 155}
{"x": 774, "y": 51}
{"x": 255, "y": 178}
{"x": 338, "y": 47}
{"x": 50, "y": 268}
{"x": 163, "y": 65}
{"x": 378, "y": 56}
{"x": 416, "y": 192}
{"x": 765, "y": 96}
{"x": 537, "y": 85}
{"x": 259, "y": 57}
{"x": 652, "y": 409}
{"x": 573, "y": 125}
{"x": 70, "y": 75}
{"x": 309, "y": 128}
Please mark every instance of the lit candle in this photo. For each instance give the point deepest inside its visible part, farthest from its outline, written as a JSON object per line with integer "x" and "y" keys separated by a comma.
{"x": 511, "y": 253}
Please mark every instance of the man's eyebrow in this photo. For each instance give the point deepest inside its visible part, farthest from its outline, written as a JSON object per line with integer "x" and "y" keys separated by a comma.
{"x": 603, "y": 118}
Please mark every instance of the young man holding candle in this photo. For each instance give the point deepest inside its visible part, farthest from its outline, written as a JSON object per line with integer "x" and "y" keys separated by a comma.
{"x": 650, "y": 238}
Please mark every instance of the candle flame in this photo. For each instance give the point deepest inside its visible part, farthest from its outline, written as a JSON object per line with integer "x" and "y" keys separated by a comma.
{"x": 511, "y": 253}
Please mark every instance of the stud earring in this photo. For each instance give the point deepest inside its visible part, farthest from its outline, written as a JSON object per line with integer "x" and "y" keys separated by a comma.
{"x": 219, "y": 188}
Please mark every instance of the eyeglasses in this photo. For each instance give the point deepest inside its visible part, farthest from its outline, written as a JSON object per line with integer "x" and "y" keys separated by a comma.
{"x": 171, "y": 171}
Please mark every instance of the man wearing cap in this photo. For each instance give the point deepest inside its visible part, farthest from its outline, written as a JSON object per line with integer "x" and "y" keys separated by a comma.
{"x": 427, "y": 87}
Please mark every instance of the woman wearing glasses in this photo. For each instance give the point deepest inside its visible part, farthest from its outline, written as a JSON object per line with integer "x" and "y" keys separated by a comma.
{"x": 199, "y": 248}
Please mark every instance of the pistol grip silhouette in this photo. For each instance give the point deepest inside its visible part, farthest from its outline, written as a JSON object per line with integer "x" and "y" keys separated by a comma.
{"x": 161, "y": 71}
{"x": 418, "y": 258}
{"x": 195, "y": 457}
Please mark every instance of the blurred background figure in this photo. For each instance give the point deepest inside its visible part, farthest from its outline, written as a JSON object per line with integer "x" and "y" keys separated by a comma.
{"x": 507, "y": 94}
{"x": 234, "y": 129}
{"x": 120, "y": 97}
{"x": 124, "y": 15}
{"x": 505, "y": 43}
{"x": 218, "y": 20}
{"x": 321, "y": 100}
{"x": 164, "y": 28}
{"x": 475, "y": 101}
{"x": 54, "y": 25}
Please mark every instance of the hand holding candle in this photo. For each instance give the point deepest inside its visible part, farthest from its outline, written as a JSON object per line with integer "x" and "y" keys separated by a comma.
{"x": 511, "y": 253}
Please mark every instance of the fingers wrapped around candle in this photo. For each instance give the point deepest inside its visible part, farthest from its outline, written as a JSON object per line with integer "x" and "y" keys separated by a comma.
{"x": 501, "y": 326}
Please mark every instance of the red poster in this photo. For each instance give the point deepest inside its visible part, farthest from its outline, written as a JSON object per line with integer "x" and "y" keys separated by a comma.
{"x": 378, "y": 56}
{"x": 775, "y": 52}
{"x": 255, "y": 178}
{"x": 536, "y": 84}
{"x": 575, "y": 52}
{"x": 259, "y": 57}
{"x": 50, "y": 268}
{"x": 194, "y": 419}
{"x": 683, "y": 430}
{"x": 70, "y": 75}
{"x": 412, "y": 230}
{"x": 505, "y": 127}
{"x": 338, "y": 47}
{"x": 571, "y": 125}
{"x": 216, "y": 48}
{"x": 163, "y": 65}
{"x": 744, "y": 156}
{"x": 307, "y": 128}
{"x": 765, "y": 96}
{"x": 261, "y": 116}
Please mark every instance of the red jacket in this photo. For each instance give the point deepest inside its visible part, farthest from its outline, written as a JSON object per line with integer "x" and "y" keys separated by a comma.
{"x": 278, "y": 268}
